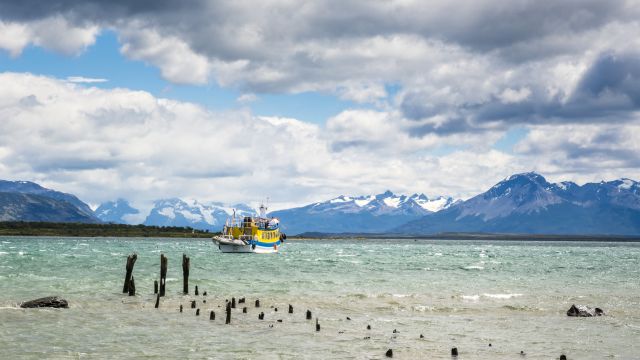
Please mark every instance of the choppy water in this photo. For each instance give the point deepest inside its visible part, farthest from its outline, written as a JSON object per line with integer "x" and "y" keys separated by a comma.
{"x": 513, "y": 295}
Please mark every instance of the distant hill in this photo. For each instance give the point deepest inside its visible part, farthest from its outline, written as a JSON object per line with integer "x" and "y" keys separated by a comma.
{"x": 527, "y": 203}
{"x": 114, "y": 212}
{"x": 28, "y": 201}
{"x": 362, "y": 214}
{"x": 15, "y": 206}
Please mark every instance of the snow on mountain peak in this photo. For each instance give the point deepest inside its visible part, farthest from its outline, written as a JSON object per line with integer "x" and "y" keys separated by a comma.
{"x": 626, "y": 184}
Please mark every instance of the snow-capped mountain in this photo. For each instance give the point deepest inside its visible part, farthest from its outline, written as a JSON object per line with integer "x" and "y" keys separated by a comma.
{"x": 367, "y": 214}
{"x": 28, "y": 201}
{"x": 178, "y": 212}
{"x": 527, "y": 203}
{"x": 115, "y": 211}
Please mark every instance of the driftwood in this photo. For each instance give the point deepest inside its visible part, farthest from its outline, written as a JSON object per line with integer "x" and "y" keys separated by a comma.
{"x": 584, "y": 311}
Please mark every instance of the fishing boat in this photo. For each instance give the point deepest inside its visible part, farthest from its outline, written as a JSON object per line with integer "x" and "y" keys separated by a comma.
{"x": 250, "y": 234}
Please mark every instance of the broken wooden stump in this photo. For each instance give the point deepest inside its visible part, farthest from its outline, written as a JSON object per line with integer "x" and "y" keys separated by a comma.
{"x": 212, "y": 315}
{"x": 241, "y": 300}
{"x": 193, "y": 304}
{"x": 131, "y": 260}
{"x": 308, "y": 314}
{"x": 454, "y": 352}
{"x": 158, "y": 300}
{"x": 196, "y": 291}
{"x": 257, "y": 303}
{"x": 180, "y": 308}
{"x": 163, "y": 274}
{"x": 389, "y": 353}
{"x": 155, "y": 286}
{"x": 244, "y": 310}
{"x": 233, "y": 303}
{"x": 228, "y": 310}
{"x": 197, "y": 312}
{"x": 261, "y": 316}
{"x": 186, "y": 262}
{"x": 132, "y": 287}
{"x": 317, "y": 325}
{"x": 290, "y": 309}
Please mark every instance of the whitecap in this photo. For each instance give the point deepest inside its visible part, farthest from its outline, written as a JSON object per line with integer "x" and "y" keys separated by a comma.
{"x": 474, "y": 267}
{"x": 3, "y": 253}
{"x": 471, "y": 297}
{"x": 501, "y": 296}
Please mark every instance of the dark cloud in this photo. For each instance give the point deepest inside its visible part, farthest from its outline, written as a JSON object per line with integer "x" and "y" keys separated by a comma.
{"x": 608, "y": 91}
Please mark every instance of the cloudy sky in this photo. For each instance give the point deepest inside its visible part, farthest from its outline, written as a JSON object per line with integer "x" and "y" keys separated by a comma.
{"x": 239, "y": 100}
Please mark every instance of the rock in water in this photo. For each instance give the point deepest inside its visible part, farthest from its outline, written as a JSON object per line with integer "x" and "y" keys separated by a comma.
{"x": 584, "y": 311}
{"x": 50, "y": 301}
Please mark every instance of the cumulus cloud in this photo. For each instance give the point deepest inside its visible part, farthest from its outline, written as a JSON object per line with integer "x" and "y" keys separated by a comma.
{"x": 103, "y": 144}
{"x": 86, "y": 80}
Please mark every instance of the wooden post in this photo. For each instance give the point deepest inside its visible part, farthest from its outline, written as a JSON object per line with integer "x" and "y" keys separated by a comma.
{"x": 180, "y": 308}
{"x": 197, "y": 312}
{"x": 244, "y": 310}
{"x": 185, "y": 273}
{"x": 212, "y": 315}
{"x": 233, "y": 302}
{"x": 241, "y": 300}
{"x": 454, "y": 352}
{"x": 155, "y": 286}
{"x": 389, "y": 353}
{"x": 163, "y": 274}
{"x": 196, "y": 291}
{"x": 131, "y": 260}
{"x": 228, "y": 320}
{"x": 261, "y": 316}
{"x": 132, "y": 287}
{"x": 193, "y": 304}
{"x": 158, "y": 300}
{"x": 257, "y": 302}
{"x": 290, "y": 309}
{"x": 317, "y": 325}
{"x": 308, "y": 314}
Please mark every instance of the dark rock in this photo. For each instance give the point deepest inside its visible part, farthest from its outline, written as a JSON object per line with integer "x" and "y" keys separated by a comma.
{"x": 563, "y": 357}
{"x": 389, "y": 353}
{"x": 584, "y": 311}
{"x": 50, "y": 301}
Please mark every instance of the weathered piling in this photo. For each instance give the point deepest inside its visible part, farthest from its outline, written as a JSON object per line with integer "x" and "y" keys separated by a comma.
{"x": 131, "y": 260}
{"x": 212, "y": 315}
{"x": 132, "y": 287}
{"x": 454, "y": 351}
{"x": 308, "y": 314}
{"x": 228, "y": 310}
{"x": 204, "y": 293}
{"x": 389, "y": 353}
{"x": 163, "y": 274}
{"x": 180, "y": 308}
{"x": 158, "y": 300}
{"x": 186, "y": 262}
{"x": 197, "y": 312}
{"x": 233, "y": 302}
{"x": 261, "y": 316}
{"x": 155, "y": 286}
{"x": 563, "y": 357}
{"x": 193, "y": 304}
{"x": 290, "y": 309}
{"x": 244, "y": 310}
{"x": 241, "y": 300}
{"x": 196, "y": 291}
{"x": 257, "y": 302}
{"x": 317, "y": 325}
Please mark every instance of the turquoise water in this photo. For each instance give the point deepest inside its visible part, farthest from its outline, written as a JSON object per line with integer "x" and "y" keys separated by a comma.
{"x": 466, "y": 294}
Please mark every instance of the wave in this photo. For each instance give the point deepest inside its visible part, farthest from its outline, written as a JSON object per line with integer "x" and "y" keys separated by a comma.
{"x": 477, "y": 297}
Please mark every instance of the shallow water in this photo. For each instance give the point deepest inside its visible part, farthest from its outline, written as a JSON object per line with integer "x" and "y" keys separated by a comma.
{"x": 467, "y": 294}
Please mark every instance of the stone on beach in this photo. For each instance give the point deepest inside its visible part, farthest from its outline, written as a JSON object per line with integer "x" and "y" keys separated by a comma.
{"x": 49, "y": 301}
{"x": 584, "y": 311}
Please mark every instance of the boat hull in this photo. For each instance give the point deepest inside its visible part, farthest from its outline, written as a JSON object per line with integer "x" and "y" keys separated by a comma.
{"x": 237, "y": 246}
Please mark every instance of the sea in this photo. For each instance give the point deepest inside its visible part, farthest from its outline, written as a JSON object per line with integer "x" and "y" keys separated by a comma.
{"x": 419, "y": 298}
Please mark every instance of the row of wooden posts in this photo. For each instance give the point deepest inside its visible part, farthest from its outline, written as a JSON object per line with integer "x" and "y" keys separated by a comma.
{"x": 130, "y": 288}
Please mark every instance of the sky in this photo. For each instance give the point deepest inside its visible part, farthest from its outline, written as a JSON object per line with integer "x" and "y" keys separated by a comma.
{"x": 237, "y": 101}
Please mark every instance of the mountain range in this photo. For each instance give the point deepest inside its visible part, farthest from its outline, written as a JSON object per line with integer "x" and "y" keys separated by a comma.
{"x": 528, "y": 203}
{"x": 28, "y": 201}
{"x": 366, "y": 214}
{"x": 522, "y": 203}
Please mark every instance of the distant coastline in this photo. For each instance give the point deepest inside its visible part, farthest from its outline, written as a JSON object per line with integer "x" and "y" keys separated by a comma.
{"x": 25, "y": 228}
{"x": 471, "y": 236}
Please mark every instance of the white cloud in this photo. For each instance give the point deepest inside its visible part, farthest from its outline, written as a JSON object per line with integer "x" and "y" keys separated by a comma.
{"x": 86, "y": 80}
{"x": 247, "y": 98}
{"x": 55, "y": 33}
{"x": 104, "y": 144}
